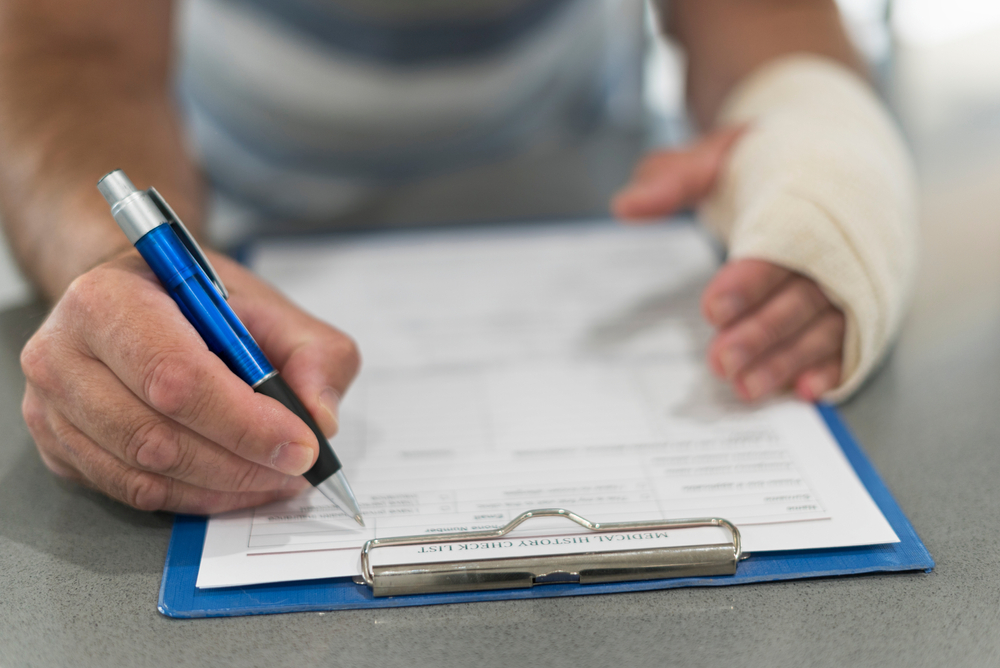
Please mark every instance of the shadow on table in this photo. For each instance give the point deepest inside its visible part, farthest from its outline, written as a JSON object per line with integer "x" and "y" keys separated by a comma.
{"x": 69, "y": 522}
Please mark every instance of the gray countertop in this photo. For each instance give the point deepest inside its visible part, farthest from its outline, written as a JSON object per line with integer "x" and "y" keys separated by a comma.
{"x": 79, "y": 574}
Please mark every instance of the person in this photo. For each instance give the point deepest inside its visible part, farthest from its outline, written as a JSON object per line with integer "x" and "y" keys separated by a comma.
{"x": 799, "y": 169}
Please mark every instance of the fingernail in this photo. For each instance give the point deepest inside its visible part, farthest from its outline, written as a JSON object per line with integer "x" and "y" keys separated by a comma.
{"x": 330, "y": 401}
{"x": 724, "y": 308}
{"x": 732, "y": 359}
{"x": 758, "y": 383}
{"x": 292, "y": 458}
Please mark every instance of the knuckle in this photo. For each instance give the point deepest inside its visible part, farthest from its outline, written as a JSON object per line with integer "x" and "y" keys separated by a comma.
{"x": 154, "y": 446}
{"x": 337, "y": 352}
{"x": 145, "y": 491}
{"x": 345, "y": 350}
{"x": 34, "y": 414}
{"x": 86, "y": 292}
{"x": 32, "y": 355}
{"x": 169, "y": 381}
{"x": 36, "y": 361}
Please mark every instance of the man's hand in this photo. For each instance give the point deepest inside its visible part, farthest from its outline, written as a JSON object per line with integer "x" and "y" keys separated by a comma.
{"x": 776, "y": 328}
{"x": 124, "y": 396}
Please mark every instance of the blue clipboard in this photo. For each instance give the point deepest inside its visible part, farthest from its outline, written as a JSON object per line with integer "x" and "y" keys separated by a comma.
{"x": 180, "y": 598}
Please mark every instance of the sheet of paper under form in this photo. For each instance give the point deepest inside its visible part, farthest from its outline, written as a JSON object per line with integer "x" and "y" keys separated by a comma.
{"x": 554, "y": 365}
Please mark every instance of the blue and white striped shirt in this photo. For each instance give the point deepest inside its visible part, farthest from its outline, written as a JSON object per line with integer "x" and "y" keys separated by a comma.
{"x": 298, "y": 106}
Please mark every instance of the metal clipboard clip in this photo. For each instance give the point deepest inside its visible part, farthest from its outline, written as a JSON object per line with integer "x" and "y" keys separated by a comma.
{"x": 524, "y": 572}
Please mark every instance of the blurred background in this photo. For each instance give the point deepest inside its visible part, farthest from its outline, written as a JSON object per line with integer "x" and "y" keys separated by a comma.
{"x": 937, "y": 63}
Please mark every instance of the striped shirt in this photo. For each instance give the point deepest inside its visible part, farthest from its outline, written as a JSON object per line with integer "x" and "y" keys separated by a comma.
{"x": 300, "y": 107}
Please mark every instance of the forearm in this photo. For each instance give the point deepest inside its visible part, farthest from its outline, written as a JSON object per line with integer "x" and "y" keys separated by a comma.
{"x": 74, "y": 107}
{"x": 727, "y": 40}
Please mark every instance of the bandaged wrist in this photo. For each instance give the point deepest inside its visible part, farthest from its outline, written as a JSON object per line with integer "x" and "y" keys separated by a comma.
{"x": 822, "y": 183}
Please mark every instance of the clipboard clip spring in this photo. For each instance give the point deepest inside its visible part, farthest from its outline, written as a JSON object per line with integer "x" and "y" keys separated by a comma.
{"x": 523, "y": 572}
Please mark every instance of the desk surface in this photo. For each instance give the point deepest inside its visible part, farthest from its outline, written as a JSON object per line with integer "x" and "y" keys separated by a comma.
{"x": 79, "y": 574}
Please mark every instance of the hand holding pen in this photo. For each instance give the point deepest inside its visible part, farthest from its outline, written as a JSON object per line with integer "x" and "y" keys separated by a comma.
{"x": 125, "y": 396}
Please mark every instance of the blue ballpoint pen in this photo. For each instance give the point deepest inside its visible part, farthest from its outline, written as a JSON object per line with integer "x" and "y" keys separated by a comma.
{"x": 187, "y": 275}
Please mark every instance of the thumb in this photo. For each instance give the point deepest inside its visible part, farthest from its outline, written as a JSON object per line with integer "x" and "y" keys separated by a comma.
{"x": 320, "y": 370}
{"x": 667, "y": 181}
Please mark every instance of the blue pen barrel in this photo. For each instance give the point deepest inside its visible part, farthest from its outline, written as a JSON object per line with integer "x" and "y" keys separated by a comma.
{"x": 202, "y": 304}
{"x": 206, "y": 309}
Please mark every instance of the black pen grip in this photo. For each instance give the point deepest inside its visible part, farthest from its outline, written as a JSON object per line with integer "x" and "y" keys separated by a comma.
{"x": 327, "y": 463}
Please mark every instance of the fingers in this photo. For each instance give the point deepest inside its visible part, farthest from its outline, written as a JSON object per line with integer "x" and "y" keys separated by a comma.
{"x": 35, "y": 417}
{"x": 738, "y": 288}
{"x": 149, "y": 491}
{"x": 142, "y": 439}
{"x": 820, "y": 343}
{"x": 666, "y": 181}
{"x": 100, "y": 413}
{"x": 145, "y": 467}
{"x": 145, "y": 342}
{"x": 776, "y": 329}
{"x": 781, "y": 315}
{"x": 71, "y": 455}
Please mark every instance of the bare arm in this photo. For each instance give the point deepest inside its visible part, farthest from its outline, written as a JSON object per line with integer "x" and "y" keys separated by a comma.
{"x": 85, "y": 90}
{"x": 121, "y": 393}
{"x": 728, "y": 39}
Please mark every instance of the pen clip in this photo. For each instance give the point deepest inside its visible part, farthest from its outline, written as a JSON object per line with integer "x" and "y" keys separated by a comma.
{"x": 188, "y": 239}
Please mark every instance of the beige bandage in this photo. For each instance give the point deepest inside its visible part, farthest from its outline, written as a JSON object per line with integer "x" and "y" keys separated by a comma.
{"x": 822, "y": 184}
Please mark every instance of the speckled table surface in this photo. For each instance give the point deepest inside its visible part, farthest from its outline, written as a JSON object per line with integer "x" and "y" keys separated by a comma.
{"x": 79, "y": 575}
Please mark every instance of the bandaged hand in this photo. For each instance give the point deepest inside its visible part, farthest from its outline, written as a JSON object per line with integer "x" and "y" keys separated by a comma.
{"x": 775, "y": 328}
{"x": 812, "y": 189}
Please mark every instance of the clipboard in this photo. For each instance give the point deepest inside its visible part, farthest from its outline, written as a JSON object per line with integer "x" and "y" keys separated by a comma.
{"x": 523, "y": 572}
{"x": 179, "y": 598}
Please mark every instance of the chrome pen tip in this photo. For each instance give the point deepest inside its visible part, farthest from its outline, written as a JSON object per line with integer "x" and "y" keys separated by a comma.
{"x": 337, "y": 489}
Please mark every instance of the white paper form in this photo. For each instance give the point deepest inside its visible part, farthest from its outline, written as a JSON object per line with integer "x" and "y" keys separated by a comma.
{"x": 548, "y": 366}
